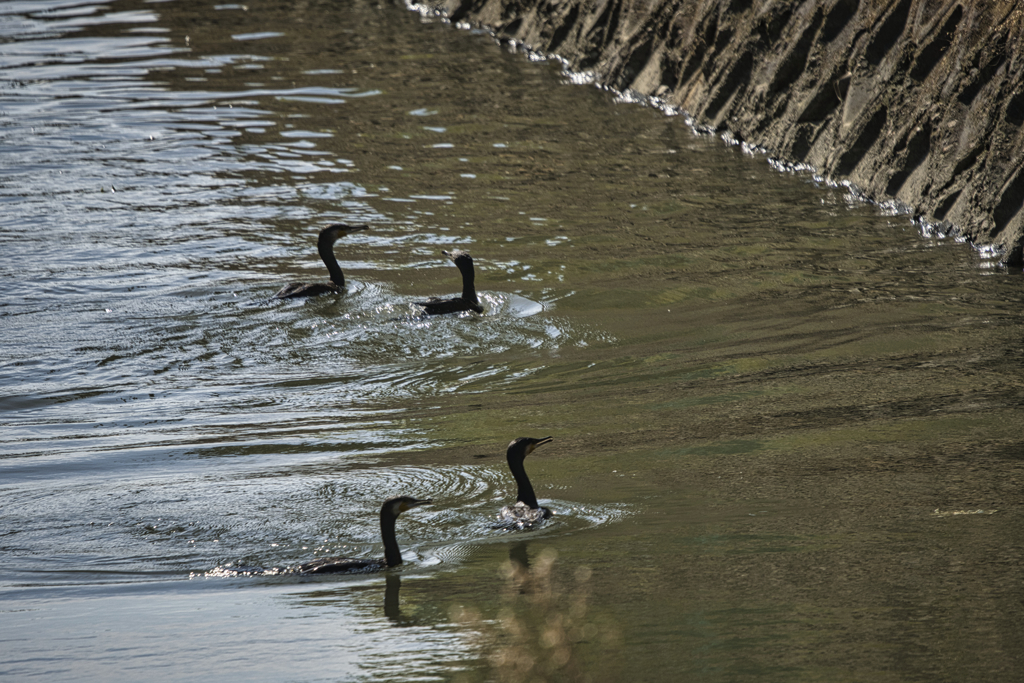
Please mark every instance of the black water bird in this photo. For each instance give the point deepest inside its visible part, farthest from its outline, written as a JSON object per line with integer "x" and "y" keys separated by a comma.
{"x": 526, "y": 510}
{"x": 324, "y": 245}
{"x": 392, "y": 555}
{"x": 468, "y": 301}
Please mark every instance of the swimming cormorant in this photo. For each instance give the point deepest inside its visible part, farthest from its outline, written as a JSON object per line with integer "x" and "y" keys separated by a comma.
{"x": 468, "y": 300}
{"x": 526, "y": 511}
{"x": 324, "y": 245}
{"x": 392, "y": 555}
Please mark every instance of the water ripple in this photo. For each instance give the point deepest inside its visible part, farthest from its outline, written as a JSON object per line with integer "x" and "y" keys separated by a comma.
{"x": 263, "y": 518}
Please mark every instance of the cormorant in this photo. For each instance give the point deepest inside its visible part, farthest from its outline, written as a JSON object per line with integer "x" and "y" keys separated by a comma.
{"x": 468, "y": 300}
{"x": 526, "y": 511}
{"x": 392, "y": 555}
{"x": 324, "y": 245}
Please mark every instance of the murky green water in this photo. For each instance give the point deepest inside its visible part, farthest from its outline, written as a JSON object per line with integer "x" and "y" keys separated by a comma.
{"x": 787, "y": 426}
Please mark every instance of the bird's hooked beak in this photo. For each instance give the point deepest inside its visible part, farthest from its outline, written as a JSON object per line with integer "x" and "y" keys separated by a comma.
{"x": 415, "y": 503}
{"x": 538, "y": 442}
{"x": 345, "y": 228}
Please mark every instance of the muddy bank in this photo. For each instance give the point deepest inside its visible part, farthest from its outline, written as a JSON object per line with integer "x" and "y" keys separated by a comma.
{"x": 915, "y": 100}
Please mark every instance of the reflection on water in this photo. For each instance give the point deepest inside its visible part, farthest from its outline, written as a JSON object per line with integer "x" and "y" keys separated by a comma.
{"x": 545, "y": 630}
{"x": 276, "y": 632}
{"x": 392, "y": 607}
{"x": 772, "y": 401}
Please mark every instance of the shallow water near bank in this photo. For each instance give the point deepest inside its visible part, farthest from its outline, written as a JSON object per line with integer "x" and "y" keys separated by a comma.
{"x": 786, "y": 424}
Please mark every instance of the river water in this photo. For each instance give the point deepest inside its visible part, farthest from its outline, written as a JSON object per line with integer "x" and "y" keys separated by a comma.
{"x": 787, "y": 441}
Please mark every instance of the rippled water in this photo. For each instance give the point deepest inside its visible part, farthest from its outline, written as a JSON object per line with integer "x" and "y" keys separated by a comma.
{"x": 786, "y": 423}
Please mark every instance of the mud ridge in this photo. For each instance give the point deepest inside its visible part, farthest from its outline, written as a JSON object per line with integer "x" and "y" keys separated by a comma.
{"x": 918, "y": 101}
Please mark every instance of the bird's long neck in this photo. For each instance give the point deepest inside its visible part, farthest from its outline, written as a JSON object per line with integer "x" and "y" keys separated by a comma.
{"x": 525, "y": 494}
{"x": 468, "y": 287}
{"x": 392, "y": 555}
{"x": 325, "y": 245}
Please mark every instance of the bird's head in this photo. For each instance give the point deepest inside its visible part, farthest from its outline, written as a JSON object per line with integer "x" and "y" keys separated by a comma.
{"x": 336, "y": 230}
{"x": 460, "y": 258}
{"x": 404, "y": 503}
{"x": 525, "y": 445}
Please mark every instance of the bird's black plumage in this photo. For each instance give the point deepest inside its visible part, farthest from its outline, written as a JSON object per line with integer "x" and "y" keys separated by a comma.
{"x": 468, "y": 301}
{"x": 389, "y": 512}
{"x": 526, "y": 510}
{"x": 324, "y": 245}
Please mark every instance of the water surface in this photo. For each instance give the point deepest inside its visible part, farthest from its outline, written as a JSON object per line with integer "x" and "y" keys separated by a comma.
{"x": 786, "y": 422}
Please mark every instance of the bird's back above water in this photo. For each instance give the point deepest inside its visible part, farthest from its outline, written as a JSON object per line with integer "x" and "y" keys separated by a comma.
{"x": 526, "y": 511}
{"x": 325, "y": 247}
{"x": 522, "y": 516}
{"x": 389, "y": 512}
{"x": 468, "y": 301}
